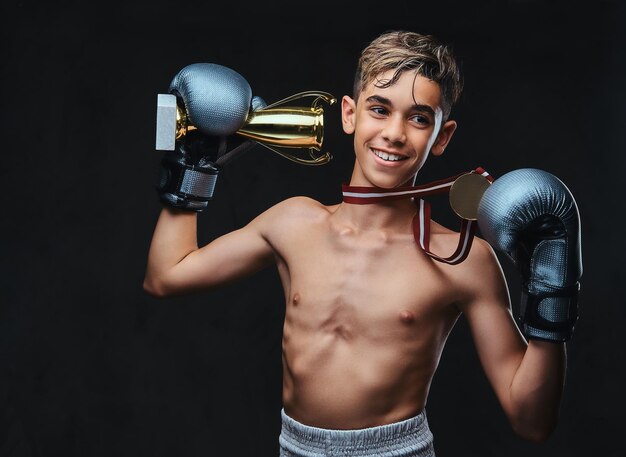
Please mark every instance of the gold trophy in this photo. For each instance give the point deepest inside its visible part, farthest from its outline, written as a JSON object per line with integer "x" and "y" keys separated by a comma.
{"x": 277, "y": 126}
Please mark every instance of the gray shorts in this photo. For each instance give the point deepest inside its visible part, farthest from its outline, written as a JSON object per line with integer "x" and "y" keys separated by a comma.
{"x": 407, "y": 438}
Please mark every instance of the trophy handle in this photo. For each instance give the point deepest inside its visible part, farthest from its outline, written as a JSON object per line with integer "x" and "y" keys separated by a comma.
{"x": 323, "y": 96}
{"x": 315, "y": 160}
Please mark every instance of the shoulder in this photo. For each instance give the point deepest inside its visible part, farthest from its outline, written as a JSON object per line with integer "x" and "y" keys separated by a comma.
{"x": 298, "y": 207}
{"x": 445, "y": 241}
{"x": 482, "y": 261}
{"x": 291, "y": 212}
{"x": 480, "y": 275}
{"x": 483, "y": 254}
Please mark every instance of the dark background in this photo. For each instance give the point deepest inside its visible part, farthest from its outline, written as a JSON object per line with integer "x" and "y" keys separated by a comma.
{"x": 90, "y": 365}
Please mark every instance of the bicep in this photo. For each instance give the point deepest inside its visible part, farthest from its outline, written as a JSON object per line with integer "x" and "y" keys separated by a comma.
{"x": 499, "y": 343}
{"x": 230, "y": 257}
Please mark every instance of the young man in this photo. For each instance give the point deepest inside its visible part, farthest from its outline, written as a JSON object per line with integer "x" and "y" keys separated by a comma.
{"x": 367, "y": 310}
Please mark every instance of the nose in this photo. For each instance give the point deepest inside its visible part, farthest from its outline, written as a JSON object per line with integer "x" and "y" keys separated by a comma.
{"x": 394, "y": 130}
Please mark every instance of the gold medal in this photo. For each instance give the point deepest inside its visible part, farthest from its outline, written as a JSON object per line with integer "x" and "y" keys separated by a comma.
{"x": 465, "y": 194}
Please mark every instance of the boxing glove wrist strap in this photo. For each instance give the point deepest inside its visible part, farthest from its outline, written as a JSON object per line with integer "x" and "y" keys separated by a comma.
{"x": 187, "y": 186}
{"x": 549, "y": 316}
{"x": 360, "y": 195}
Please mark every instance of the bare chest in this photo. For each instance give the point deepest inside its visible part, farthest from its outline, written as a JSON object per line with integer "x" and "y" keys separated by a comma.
{"x": 367, "y": 285}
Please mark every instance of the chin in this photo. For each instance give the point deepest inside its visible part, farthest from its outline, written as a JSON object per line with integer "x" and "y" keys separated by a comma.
{"x": 391, "y": 182}
{"x": 389, "y": 179}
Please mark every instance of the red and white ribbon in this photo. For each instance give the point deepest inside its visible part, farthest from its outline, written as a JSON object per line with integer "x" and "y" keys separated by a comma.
{"x": 359, "y": 195}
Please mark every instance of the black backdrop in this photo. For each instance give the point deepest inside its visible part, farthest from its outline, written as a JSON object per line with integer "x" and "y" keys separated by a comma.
{"x": 92, "y": 366}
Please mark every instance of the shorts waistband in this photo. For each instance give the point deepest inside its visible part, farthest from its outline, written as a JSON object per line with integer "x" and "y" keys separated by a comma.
{"x": 413, "y": 431}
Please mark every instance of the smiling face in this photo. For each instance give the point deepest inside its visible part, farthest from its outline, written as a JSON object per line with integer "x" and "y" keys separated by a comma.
{"x": 394, "y": 129}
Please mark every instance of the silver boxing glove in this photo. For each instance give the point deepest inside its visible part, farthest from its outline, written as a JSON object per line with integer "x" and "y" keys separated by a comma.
{"x": 217, "y": 98}
{"x": 531, "y": 216}
{"x": 216, "y": 101}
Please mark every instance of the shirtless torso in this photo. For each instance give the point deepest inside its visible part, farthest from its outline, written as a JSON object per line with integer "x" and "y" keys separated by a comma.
{"x": 367, "y": 316}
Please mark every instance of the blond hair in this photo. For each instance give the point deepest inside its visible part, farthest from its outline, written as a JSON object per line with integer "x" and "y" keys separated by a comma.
{"x": 403, "y": 50}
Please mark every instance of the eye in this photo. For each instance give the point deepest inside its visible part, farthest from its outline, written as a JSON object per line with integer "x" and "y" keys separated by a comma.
{"x": 420, "y": 119}
{"x": 380, "y": 110}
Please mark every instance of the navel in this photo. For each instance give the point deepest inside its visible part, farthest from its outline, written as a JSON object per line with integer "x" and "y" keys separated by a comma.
{"x": 407, "y": 317}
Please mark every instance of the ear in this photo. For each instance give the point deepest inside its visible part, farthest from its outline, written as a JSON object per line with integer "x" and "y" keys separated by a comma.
{"x": 348, "y": 111}
{"x": 443, "y": 138}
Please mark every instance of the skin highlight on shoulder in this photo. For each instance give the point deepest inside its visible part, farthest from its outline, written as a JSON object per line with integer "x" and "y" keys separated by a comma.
{"x": 297, "y": 208}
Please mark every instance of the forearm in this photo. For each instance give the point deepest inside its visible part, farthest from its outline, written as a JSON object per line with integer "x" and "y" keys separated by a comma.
{"x": 537, "y": 388}
{"x": 175, "y": 237}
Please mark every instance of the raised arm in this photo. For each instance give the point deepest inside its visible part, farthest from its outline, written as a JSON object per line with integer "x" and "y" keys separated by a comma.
{"x": 216, "y": 101}
{"x": 176, "y": 265}
{"x": 530, "y": 215}
{"x": 527, "y": 378}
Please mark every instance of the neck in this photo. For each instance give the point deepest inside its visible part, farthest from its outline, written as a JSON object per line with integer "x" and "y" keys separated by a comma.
{"x": 387, "y": 216}
{"x": 367, "y": 207}
{"x": 390, "y": 215}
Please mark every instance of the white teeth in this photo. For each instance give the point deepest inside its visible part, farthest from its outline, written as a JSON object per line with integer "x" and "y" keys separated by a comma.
{"x": 386, "y": 156}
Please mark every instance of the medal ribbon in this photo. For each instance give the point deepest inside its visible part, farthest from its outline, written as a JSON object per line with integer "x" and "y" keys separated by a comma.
{"x": 359, "y": 195}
